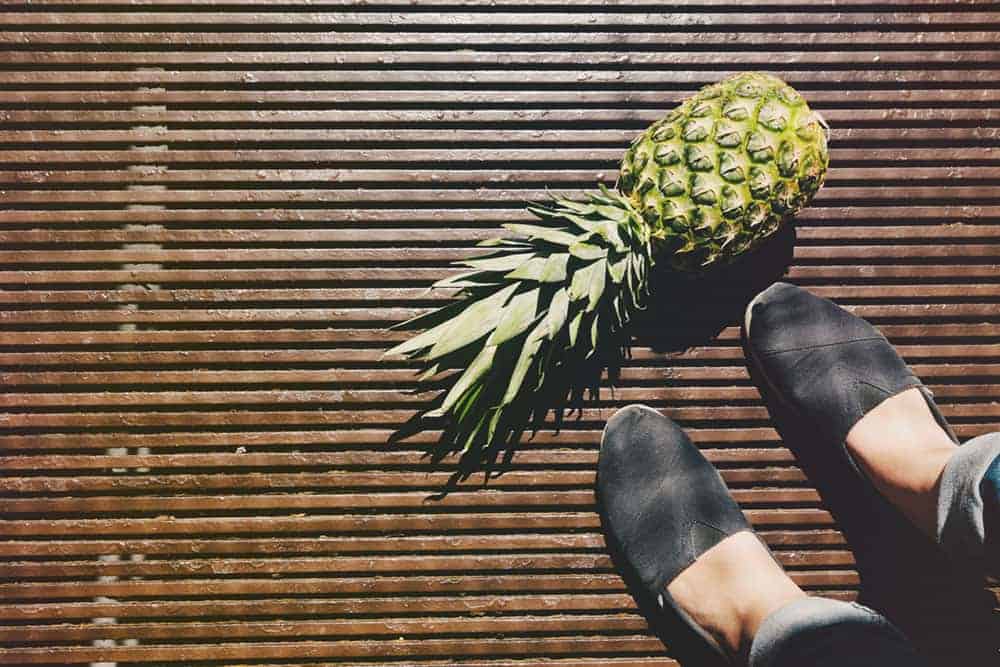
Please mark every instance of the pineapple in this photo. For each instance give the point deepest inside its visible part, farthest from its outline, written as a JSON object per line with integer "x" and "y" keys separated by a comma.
{"x": 543, "y": 314}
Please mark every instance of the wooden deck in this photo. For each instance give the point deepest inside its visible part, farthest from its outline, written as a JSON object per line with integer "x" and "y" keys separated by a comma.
{"x": 208, "y": 215}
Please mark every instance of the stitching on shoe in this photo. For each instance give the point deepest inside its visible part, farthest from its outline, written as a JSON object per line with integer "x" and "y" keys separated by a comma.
{"x": 771, "y": 353}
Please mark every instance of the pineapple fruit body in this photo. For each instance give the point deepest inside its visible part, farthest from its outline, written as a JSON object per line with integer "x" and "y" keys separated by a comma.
{"x": 723, "y": 170}
{"x": 702, "y": 186}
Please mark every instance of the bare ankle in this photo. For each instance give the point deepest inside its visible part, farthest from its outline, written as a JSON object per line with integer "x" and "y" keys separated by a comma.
{"x": 780, "y": 594}
{"x": 732, "y": 588}
{"x": 903, "y": 450}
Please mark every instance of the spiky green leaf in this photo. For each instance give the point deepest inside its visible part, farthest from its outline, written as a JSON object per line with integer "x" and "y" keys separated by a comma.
{"x": 467, "y": 279}
{"x": 574, "y": 328}
{"x": 529, "y": 270}
{"x": 477, "y": 369}
{"x": 556, "y": 236}
{"x": 587, "y": 251}
{"x": 517, "y": 316}
{"x": 594, "y": 332}
{"x": 503, "y": 262}
{"x": 429, "y": 373}
{"x": 551, "y": 269}
{"x": 558, "y": 294}
{"x": 432, "y": 318}
{"x": 524, "y": 361}
{"x": 557, "y": 313}
{"x": 424, "y": 340}
{"x": 503, "y": 242}
{"x": 616, "y": 269}
{"x": 580, "y": 285}
{"x": 597, "y": 284}
{"x": 476, "y": 321}
{"x": 554, "y": 270}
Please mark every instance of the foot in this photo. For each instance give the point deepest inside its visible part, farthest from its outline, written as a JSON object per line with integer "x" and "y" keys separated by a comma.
{"x": 836, "y": 374}
{"x": 903, "y": 450}
{"x": 682, "y": 537}
{"x": 731, "y": 588}
{"x": 869, "y": 436}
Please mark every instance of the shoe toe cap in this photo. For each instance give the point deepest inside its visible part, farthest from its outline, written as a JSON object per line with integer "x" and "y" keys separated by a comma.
{"x": 635, "y": 440}
{"x": 786, "y": 317}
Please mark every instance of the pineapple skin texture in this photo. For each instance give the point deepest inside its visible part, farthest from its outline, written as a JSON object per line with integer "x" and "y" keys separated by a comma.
{"x": 725, "y": 169}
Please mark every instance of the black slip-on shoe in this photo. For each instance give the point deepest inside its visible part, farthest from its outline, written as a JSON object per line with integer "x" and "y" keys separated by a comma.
{"x": 662, "y": 505}
{"x": 822, "y": 362}
{"x": 820, "y": 369}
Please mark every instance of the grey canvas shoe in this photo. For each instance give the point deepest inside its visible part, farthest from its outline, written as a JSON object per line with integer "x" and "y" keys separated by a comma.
{"x": 662, "y": 505}
{"x": 820, "y": 369}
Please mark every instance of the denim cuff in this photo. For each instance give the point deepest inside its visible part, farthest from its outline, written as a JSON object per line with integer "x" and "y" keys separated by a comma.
{"x": 961, "y": 530}
{"x": 806, "y": 615}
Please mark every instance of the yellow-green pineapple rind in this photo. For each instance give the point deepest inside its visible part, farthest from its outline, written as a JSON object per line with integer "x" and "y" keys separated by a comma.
{"x": 723, "y": 171}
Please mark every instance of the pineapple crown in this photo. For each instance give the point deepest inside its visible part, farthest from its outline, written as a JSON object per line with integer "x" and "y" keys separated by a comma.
{"x": 541, "y": 317}
{"x": 539, "y": 320}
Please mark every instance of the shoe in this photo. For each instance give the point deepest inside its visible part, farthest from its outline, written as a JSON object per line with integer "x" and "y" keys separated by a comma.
{"x": 820, "y": 369}
{"x": 823, "y": 363}
{"x": 662, "y": 505}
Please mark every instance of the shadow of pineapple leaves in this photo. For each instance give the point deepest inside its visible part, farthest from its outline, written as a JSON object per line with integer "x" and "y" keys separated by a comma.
{"x": 683, "y": 311}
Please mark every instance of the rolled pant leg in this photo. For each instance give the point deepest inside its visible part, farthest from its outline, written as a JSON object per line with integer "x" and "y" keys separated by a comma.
{"x": 969, "y": 505}
{"x": 816, "y": 632}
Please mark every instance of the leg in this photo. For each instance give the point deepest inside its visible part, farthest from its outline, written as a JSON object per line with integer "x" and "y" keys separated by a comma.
{"x": 826, "y": 633}
{"x": 686, "y": 544}
{"x": 833, "y": 380}
{"x": 903, "y": 450}
{"x": 740, "y": 595}
{"x": 968, "y": 508}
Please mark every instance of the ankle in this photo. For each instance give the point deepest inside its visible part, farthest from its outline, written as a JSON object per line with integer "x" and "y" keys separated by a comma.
{"x": 732, "y": 589}
{"x": 780, "y": 592}
{"x": 903, "y": 451}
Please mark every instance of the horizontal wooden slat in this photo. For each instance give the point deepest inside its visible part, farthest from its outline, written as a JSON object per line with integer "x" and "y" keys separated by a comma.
{"x": 264, "y": 6}
{"x": 810, "y": 217}
{"x": 258, "y": 276}
{"x": 336, "y": 479}
{"x": 354, "y": 585}
{"x": 421, "y": 294}
{"x": 352, "y": 565}
{"x": 332, "y": 398}
{"x": 784, "y": 540}
{"x": 495, "y": 18}
{"x": 395, "y": 628}
{"x": 350, "y": 501}
{"x": 844, "y": 118}
{"x": 983, "y": 251}
{"x": 377, "y": 335}
{"x": 952, "y": 96}
{"x": 452, "y": 176}
{"x": 623, "y": 40}
{"x": 407, "y": 376}
{"x": 233, "y": 417}
{"x": 578, "y": 137}
{"x": 356, "y": 649}
{"x": 521, "y": 58}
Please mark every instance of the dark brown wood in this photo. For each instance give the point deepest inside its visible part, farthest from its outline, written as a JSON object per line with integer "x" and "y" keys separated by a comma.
{"x": 210, "y": 214}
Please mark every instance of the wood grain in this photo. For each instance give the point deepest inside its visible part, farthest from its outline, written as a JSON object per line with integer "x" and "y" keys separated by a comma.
{"x": 211, "y": 213}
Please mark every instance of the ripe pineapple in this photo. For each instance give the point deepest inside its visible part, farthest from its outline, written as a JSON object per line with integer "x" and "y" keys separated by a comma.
{"x": 707, "y": 183}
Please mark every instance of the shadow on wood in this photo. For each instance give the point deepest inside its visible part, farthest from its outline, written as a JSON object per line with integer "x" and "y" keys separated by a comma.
{"x": 690, "y": 310}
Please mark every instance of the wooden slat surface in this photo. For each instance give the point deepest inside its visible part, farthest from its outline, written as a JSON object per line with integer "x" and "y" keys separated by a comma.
{"x": 210, "y": 212}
